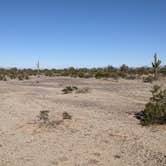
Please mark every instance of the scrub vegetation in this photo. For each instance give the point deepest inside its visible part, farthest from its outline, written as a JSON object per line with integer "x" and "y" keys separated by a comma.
{"x": 147, "y": 73}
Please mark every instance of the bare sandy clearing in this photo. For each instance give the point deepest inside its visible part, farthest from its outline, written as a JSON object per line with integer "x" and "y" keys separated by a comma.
{"x": 102, "y": 131}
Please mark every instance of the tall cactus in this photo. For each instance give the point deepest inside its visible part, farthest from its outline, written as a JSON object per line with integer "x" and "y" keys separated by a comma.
{"x": 38, "y": 68}
{"x": 156, "y": 66}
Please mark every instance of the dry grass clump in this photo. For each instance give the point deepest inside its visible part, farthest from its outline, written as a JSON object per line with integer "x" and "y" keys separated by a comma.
{"x": 83, "y": 90}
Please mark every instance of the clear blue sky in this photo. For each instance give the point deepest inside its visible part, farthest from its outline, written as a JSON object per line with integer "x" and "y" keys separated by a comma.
{"x": 81, "y": 33}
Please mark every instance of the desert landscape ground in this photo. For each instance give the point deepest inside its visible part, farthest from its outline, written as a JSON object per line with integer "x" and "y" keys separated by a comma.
{"x": 102, "y": 131}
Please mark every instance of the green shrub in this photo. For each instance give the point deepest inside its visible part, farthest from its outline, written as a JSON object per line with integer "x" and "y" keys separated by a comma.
{"x": 155, "y": 109}
{"x": 48, "y": 73}
{"x": 114, "y": 75}
{"x": 101, "y": 74}
{"x": 122, "y": 74}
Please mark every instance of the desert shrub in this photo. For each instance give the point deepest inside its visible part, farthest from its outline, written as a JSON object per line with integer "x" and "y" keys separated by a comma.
{"x": 87, "y": 75}
{"x": 20, "y": 77}
{"x": 114, "y": 75}
{"x": 163, "y": 71}
{"x": 44, "y": 120}
{"x": 148, "y": 79}
{"x": 82, "y": 90}
{"x": 122, "y": 74}
{"x": 12, "y": 76}
{"x": 155, "y": 109}
{"x": 1, "y": 77}
{"x": 66, "y": 115}
{"x": 44, "y": 117}
{"x": 81, "y": 74}
{"x": 48, "y": 73}
{"x": 26, "y": 77}
{"x": 101, "y": 74}
{"x": 131, "y": 77}
{"x": 124, "y": 68}
{"x": 4, "y": 78}
{"x": 69, "y": 89}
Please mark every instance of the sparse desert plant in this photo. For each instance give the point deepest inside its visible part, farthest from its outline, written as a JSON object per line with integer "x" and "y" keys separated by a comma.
{"x": 155, "y": 109}
{"x": 114, "y": 75}
{"x": 69, "y": 89}
{"x": 156, "y": 65}
{"x": 101, "y": 74}
{"x": 38, "y": 68}
{"x": 163, "y": 70}
{"x": 44, "y": 117}
{"x": 26, "y": 77}
{"x": 131, "y": 77}
{"x": 48, "y": 73}
{"x": 148, "y": 79}
{"x": 1, "y": 77}
{"x": 74, "y": 88}
{"x": 44, "y": 120}
{"x": 124, "y": 68}
{"x": 122, "y": 74}
{"x": 66, "y": 115}
{"x": 20, "y": 77}
{"x": 4, "y": 78}
{"x": 12, "y": 76}
{"x": 83, "y": 90}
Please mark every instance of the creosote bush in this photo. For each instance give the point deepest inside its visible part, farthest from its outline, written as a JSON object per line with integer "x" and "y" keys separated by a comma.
{"x": 69, "y": 89}
{"x": 155, "y": 109}
{"x": 44, "y": 119}
{"x": 148, "y": 79}
{"x": 83, "y": 90}
{"x": 66, "y": 115}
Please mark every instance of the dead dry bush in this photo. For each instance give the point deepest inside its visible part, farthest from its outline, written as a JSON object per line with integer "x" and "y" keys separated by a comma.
{"x": 71, "y": 89}
{"x": 43, "y": 119}
{"x": 83, "y": 90}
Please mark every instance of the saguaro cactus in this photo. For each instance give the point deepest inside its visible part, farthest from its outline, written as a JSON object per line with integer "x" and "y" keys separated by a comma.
{"x": 156, "y": 66}
{"x": 38, "y": 68}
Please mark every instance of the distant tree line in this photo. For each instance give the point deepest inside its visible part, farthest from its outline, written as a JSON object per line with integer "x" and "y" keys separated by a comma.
{"x": 106, "y": 72}
{"x": 102, "y": 72}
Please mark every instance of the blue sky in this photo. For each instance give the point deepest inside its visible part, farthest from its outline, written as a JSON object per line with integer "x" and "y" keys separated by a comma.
{"x": 81, "y": 33}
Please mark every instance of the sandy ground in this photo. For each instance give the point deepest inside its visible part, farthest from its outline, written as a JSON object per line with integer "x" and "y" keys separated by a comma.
{"x": 102, "y": 132}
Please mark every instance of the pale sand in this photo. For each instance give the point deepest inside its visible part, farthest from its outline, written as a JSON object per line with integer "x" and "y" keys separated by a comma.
{"x": 103, "y": 130}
